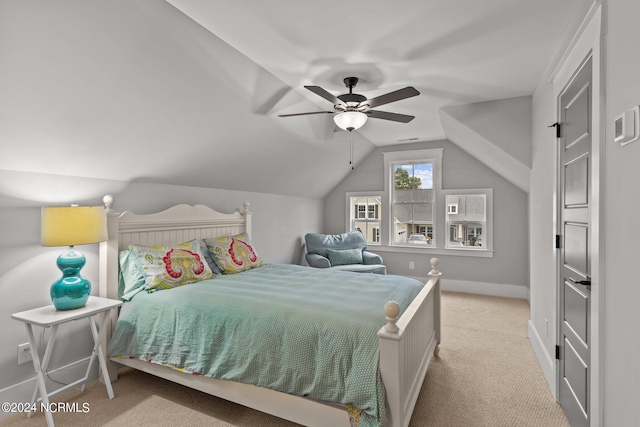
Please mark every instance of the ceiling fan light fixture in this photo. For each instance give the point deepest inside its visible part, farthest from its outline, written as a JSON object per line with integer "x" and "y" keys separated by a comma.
{"x": 350, "y": 120}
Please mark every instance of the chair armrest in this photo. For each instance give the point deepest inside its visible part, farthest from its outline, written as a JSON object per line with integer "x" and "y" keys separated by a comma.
{"x": 369, "y": 258}
{"x": 317, "y": 261}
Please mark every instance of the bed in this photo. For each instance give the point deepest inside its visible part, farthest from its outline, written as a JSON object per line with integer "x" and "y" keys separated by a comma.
{"x": 403, "y": 347}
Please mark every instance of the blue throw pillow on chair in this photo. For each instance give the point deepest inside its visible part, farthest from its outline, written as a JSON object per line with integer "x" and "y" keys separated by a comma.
{"x": 344, "y": 256}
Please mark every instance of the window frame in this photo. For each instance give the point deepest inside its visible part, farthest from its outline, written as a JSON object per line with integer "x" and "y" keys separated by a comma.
{"x": 440, "y": 229}
{"x": 391, "y": 159}
{"x": 487, "y": 232}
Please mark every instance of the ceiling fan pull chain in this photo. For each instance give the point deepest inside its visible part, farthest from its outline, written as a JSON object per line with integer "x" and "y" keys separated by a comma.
{"x": 351, "y": 150}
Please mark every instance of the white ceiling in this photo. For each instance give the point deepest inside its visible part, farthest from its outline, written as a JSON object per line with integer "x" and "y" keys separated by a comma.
{"x": 139, "y": 91}
{"x": 453, "y": 51}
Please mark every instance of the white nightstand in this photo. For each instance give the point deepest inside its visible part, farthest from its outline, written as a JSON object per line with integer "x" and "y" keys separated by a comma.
{"x": 48, "y": 317}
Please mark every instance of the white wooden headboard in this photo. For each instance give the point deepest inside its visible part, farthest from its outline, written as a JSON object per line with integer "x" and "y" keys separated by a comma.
{"x": 173, "y": 226}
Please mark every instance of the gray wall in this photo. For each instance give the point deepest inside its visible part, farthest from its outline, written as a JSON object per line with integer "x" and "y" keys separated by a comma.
{"x": 621, "y": 204}
{"x": 27, "y": 269}
{"x": 504, "y": 122}
{"x": 509, "y": 266}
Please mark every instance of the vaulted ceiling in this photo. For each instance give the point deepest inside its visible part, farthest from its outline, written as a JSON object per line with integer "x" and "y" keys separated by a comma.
{"x": 188, "y": 91}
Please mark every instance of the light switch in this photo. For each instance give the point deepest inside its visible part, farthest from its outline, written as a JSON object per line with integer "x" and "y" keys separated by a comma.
{"x": 626, "y": 126}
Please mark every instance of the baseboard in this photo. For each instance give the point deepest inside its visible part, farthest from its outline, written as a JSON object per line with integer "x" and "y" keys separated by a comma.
{"x": 544, "y": 358}
{"x": 482, "y": 288}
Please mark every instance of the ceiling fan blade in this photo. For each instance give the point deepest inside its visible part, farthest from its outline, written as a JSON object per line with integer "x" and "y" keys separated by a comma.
{"x": 397, "y": 95}
{"x": 326, "y": 95}
{"x": 385, "y": 115}
{"x": 305, "y": 114}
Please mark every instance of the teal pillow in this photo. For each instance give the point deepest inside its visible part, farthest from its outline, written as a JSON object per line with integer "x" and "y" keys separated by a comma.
{"x": 344, "y": 256}
{"x": 131, "y": 275}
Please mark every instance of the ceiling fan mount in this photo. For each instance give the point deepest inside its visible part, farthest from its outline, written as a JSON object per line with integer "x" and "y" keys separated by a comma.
{"x": 353, "y": 101}
{"x": 358, "y": 106}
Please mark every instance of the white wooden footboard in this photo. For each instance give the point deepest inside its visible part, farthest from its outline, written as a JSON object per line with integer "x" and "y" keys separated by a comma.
{"x": 406, "y": 347}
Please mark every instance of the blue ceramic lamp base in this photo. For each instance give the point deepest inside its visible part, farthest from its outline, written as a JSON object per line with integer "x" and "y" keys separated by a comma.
{"x": 71, "y": 290}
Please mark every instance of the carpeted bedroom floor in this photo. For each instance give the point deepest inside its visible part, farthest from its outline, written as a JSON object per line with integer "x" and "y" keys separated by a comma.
{"x": 486, "y": 374}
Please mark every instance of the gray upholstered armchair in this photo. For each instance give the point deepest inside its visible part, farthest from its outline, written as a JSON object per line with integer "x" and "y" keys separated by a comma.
{"x": 346, "y": 252}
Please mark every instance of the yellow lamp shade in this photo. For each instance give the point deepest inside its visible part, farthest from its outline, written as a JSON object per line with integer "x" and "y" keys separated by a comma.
{"x": 73, "y": 225}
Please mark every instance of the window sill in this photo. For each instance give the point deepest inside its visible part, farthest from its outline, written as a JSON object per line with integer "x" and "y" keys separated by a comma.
{"x": 475, "y": 253}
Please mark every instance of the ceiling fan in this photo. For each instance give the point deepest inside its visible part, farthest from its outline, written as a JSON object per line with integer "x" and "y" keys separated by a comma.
{"x": 353, "y": 109}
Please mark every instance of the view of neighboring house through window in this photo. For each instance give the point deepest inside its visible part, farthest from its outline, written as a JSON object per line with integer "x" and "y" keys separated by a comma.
{"x": 469, "y": 219}
{"x": 467, "y": 225}
{"x": 413, "y": 202}
{"x": 365, "y": 216}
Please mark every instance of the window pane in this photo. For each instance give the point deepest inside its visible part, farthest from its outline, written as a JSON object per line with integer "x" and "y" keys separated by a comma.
{"x": 413, "y": 176}
{"x": 413, "y": 198}
{"x": 465, "y": 234}
{"x": 370, "y": 230}
{"x": 401, "y": 222}
{"x": 423, "y": 195}
{"x": 475, "y": 208}
{"x": 466, "y": 216}
{"x": 403, "y": 196}
{"x": 413, "y": 223}
{"x": 366, "y": 217}
{"x": 423, "y": 214}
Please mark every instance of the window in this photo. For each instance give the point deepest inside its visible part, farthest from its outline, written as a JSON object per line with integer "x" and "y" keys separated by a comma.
{"x": 364, "y": 215}
{"x": 415, "y": 215}
{"x": 469, "y": 224}
{"x": 413, "y": 182}
{"x": 367, "y": 209}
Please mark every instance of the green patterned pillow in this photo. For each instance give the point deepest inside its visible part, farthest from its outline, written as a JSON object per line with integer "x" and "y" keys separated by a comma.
{"x": 233, "y": 254}
{"x": 170, "y": 267}
{"x": 344, "y": 256}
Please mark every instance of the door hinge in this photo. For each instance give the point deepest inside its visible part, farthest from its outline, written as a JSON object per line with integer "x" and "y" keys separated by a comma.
{"x": 557, "y": 126}
{"x": 558, "y": 241}
{"x": 557, "y": 352}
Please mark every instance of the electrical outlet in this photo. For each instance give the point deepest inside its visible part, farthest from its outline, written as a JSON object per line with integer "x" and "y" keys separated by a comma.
{"x": 24, "y": 353}
{"x": 411, "y": 265}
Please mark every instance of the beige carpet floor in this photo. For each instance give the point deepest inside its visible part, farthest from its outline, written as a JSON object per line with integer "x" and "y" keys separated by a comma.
{"x": 485, "y": 375}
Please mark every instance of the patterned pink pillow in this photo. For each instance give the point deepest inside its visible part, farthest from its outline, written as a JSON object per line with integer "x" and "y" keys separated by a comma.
{"x": 233, "y": 254}
{"x": 170, "y": 267}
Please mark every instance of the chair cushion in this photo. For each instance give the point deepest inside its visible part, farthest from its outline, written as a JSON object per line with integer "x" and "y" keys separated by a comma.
{"x": 344, "y": 256}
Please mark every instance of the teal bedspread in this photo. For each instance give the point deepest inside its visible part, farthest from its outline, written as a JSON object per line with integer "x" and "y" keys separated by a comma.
{"x": 299, "y": 330}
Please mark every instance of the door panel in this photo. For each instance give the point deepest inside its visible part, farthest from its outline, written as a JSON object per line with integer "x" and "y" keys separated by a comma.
{"x": 576, "y": 315}
{"x": 574, "y": 293}
{"x": 576, "y": 174}
{"x": 576, "y": 247}
{"x": 576, "y": 375}
{"x": 576, "y": 110}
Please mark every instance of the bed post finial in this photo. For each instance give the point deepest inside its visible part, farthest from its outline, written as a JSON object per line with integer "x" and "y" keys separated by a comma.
{"x": 247, "y": 218}
{"x": 435, "y": 262}
{"x": 391, "y": 310}
{"x": 108, "y": 202}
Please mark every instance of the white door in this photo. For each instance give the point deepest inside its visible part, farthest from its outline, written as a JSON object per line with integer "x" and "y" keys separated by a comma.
{"x": 574, "y": 279}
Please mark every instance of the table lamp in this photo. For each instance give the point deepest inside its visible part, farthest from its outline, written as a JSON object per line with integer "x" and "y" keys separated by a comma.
{"x": 70, "y": 226}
